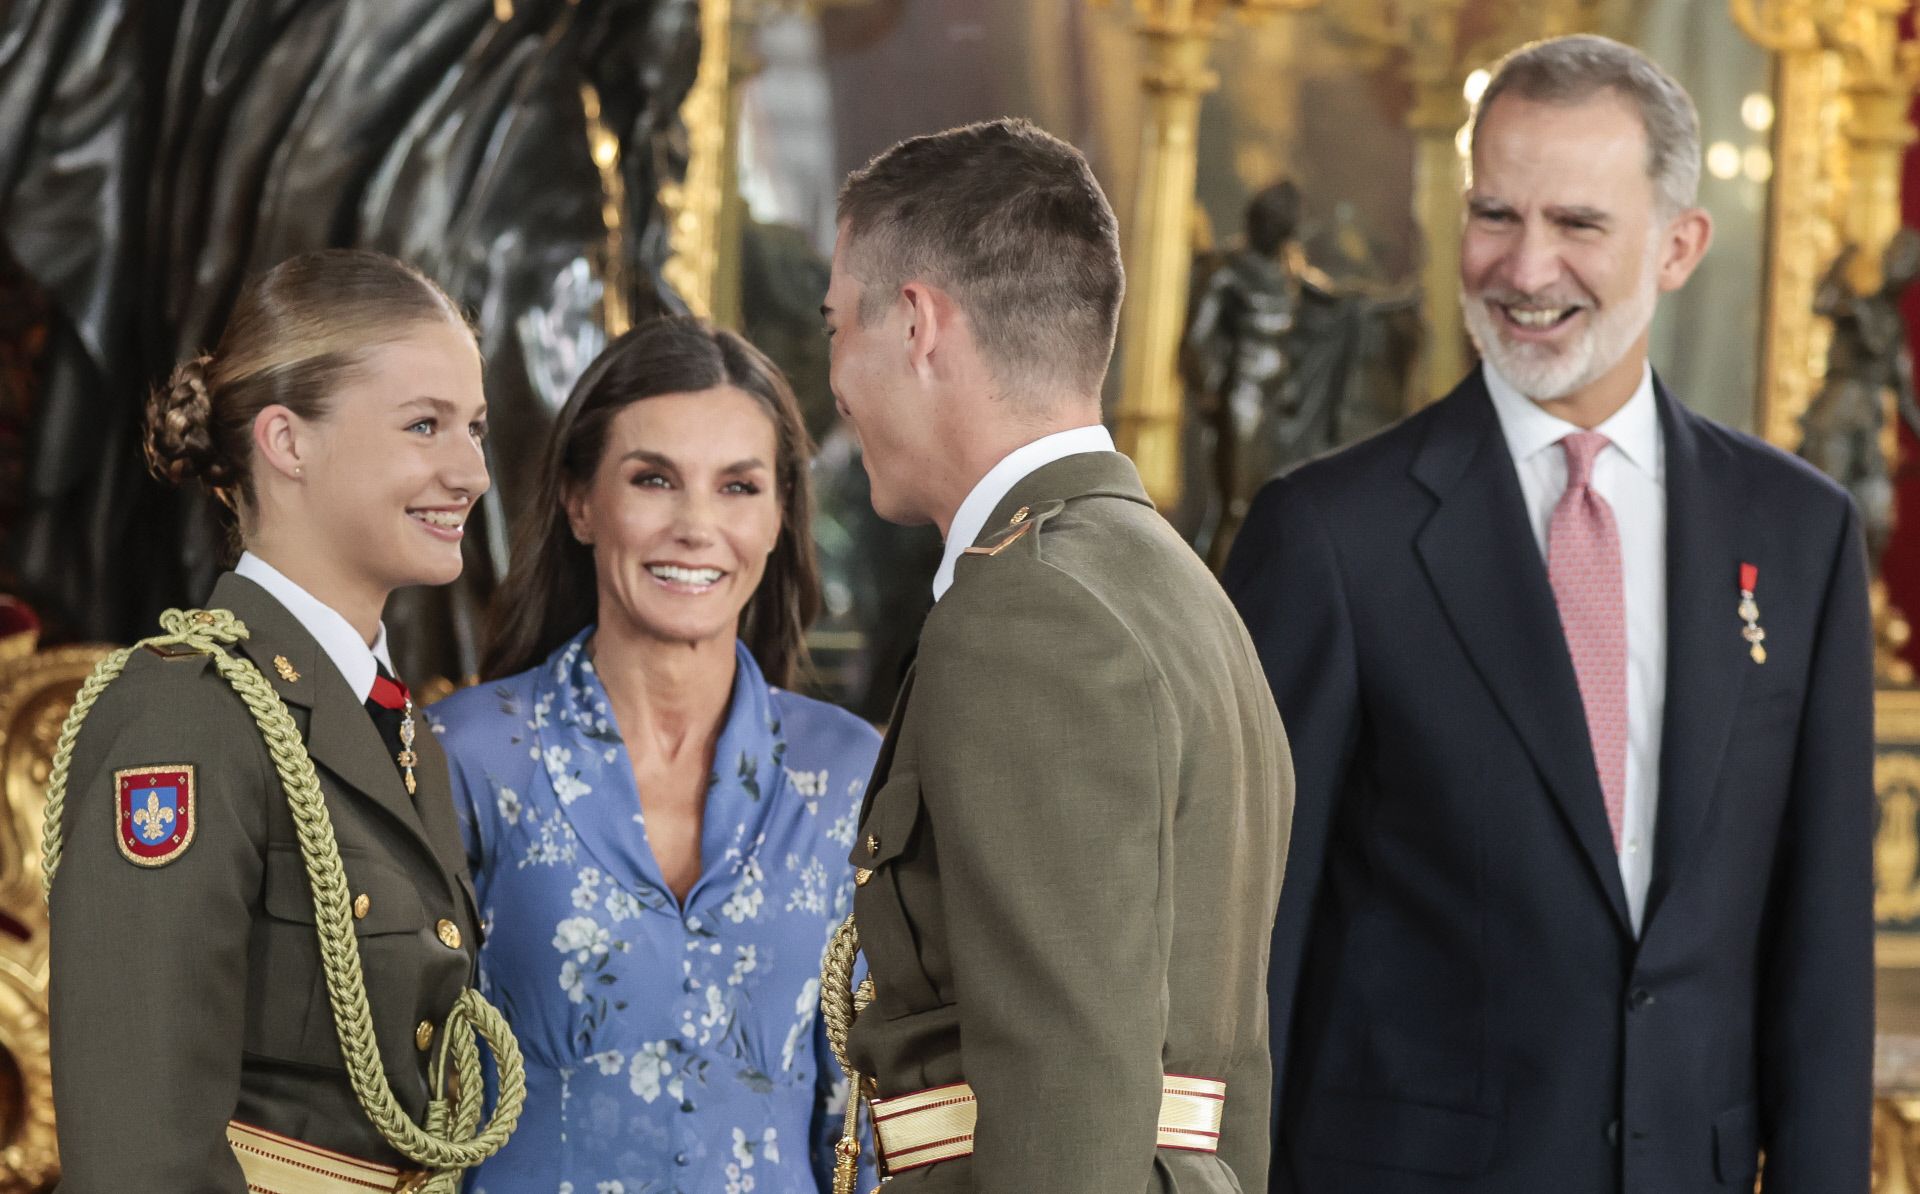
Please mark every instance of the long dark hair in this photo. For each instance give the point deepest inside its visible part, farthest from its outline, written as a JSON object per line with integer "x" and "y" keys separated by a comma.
{"x": 550, "y": 591}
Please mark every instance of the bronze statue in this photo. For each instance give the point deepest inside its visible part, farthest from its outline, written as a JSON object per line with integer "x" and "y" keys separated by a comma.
{"x": 1281, "y": 363}
{"x": 1868, "y": 365}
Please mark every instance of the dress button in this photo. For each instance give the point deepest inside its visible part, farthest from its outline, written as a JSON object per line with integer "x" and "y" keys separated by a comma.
{"x": 423, "y": 1035}
{"x": 1640, "y": 998}
{"x": 682, "y": 1159}
{"x": 1613, "y": 1133}
{"x": 449, "y": 934}
{"x": 362, "y": 904}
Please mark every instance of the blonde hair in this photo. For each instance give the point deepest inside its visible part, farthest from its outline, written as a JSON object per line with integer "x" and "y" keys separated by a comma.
{"x": 297, "y": 334}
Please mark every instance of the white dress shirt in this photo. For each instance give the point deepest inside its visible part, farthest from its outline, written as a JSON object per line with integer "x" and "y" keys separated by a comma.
{"x": 971, "y": 518}
{"x": 336, "y": 636}
{"x": 1631, "y": 474}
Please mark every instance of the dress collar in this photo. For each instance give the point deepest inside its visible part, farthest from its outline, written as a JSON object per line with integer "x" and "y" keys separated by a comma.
{"x": 591, "y": 773}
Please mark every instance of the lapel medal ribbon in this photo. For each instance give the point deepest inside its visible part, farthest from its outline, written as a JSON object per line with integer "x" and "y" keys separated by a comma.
{"x": 1750, "y": 614}
{"x": 154, "y": 812}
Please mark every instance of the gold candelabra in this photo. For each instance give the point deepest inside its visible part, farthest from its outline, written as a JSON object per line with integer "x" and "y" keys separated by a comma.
{"x": 1176, "y": 39}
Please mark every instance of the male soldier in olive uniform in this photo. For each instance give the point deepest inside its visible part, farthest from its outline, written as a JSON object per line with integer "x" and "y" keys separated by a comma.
{"x": 186, "y": 977}
{"x": 1072, "y": 845}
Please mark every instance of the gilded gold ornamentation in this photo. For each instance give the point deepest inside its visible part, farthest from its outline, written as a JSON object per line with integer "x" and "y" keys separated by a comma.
{"x": 1844, "y": 82}
{"x": 1896, "y": 847}
{"x": 616, "y": 303}
{"x": 1176, "y": 39}
{"x": 694, "y": 205}
{"x": 36, "y": 690}
{"x": 285, "y": 669}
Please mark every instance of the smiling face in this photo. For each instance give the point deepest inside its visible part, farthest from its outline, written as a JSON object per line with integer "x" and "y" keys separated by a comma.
{"x": 392, "y": 470}
{"x": 1566, "y": 250}
{"x": 682, "y": 513}
{"x": 878, "y": 393}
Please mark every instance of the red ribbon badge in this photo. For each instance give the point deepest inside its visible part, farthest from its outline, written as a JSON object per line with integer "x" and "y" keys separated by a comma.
{"x": 1750, "y": 614}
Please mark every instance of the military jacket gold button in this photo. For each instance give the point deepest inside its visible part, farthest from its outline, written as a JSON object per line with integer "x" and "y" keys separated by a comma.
{"x": 423, "y": 1035}
{"x": 362, "y": 904}
{"x": 862, "y": 876}
{"x": 873, "y": 844}
{"x": 449, "y": 934}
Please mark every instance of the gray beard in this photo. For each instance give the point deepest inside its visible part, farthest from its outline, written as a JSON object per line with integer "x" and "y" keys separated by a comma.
{"x": 1546, "y": 375}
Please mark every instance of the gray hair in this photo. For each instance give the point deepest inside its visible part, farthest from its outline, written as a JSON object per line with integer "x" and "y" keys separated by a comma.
{"x": 1569, "y": 70}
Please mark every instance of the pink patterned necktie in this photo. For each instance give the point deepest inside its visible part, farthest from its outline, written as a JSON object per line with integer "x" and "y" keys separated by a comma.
{"x": 1583, "y": 565}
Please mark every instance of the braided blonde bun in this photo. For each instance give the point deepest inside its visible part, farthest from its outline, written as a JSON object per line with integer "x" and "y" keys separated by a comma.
{"x": 180, "y": 438}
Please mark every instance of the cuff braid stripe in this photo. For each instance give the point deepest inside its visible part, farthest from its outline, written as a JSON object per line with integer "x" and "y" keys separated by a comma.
{"x": 929, "y": 1126}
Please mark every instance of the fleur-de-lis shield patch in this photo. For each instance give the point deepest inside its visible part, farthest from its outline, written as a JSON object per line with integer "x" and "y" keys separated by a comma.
{"x": 154, "y": 812}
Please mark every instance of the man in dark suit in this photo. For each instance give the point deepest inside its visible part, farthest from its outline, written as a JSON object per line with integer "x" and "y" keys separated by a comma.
{"x": 1578, "y": 685}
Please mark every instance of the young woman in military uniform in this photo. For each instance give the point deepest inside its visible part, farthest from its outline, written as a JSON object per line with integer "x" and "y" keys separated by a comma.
{"x": 263, "y": 933}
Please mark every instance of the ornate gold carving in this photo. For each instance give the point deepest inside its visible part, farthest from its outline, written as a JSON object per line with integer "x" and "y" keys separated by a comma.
{"x": 1896, "y": 846}
{"x": 1176, "y": 39}
{"x": 694, "y": 205}
{"x": 36, "y": 689}
{"x": 1844, "y": 81}
{"x": 616, "y": 302}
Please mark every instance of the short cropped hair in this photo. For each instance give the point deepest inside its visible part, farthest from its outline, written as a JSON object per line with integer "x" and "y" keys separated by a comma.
{"x": 1010, "y": 221}
{"x": 1570, "y": 70}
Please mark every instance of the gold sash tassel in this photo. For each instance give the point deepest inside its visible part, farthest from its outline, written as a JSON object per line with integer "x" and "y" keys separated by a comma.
{"x": 930, "y": 1126}
{"x": 276, "y": 1164}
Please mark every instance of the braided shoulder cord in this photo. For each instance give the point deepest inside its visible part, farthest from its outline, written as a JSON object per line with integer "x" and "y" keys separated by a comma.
{"x": 449, "y": 1143}
{"x": 839, "y": 1004}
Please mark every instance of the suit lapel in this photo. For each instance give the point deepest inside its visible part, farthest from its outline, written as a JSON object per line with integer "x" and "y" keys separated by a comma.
{"x": 1481, "y": 559}
{"x": 1709, "y": 535}
{"x": 340, "y": 735}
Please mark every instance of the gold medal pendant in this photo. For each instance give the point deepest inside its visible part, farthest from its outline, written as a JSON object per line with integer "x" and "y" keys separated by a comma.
{"x": 406, "y": 757}
{"x": 1749, "y": 611}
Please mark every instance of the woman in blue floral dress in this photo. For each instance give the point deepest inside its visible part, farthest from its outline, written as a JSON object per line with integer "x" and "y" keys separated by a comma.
{"x": 658, "y": 830}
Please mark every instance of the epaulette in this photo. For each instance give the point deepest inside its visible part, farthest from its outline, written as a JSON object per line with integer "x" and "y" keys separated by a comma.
{"x": 174, "y": 651}
{"x": 1025, "y": 520}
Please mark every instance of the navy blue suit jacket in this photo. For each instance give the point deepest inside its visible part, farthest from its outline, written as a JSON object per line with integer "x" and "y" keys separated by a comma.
{"x": 1459, "y": 1002}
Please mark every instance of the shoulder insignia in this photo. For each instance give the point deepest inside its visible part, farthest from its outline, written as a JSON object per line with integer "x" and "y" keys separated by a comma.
{"x": 154, "y": 812}
{"x": 172, "y": 650}
{"x": 1020, "y": 527}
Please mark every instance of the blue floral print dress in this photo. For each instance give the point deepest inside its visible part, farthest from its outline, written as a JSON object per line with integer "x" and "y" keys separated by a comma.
{"x": 670, "y": 1049}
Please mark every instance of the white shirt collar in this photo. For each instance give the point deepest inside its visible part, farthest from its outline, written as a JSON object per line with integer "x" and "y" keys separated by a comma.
{"x": 336, "y": 636}
{"x": 1015, "y": 467}
{"x": 1530, "y": 428}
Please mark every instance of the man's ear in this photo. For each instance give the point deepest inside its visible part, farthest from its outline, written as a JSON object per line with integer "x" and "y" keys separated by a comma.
{"x": 1682, "y": 245}
{"x": 932, "y": 319}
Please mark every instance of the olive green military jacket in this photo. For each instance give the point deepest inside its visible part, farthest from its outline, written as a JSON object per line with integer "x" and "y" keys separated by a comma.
{"x": 1076, "y": 831}
{"x": 190, "y": 993}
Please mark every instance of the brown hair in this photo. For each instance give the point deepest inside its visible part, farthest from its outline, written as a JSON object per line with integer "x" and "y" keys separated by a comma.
{"x": 550, "y": 592}
{"x": 1574, "y": 69}
{"x": 297, "y": 334}
{"x": 1011, "y": 222}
